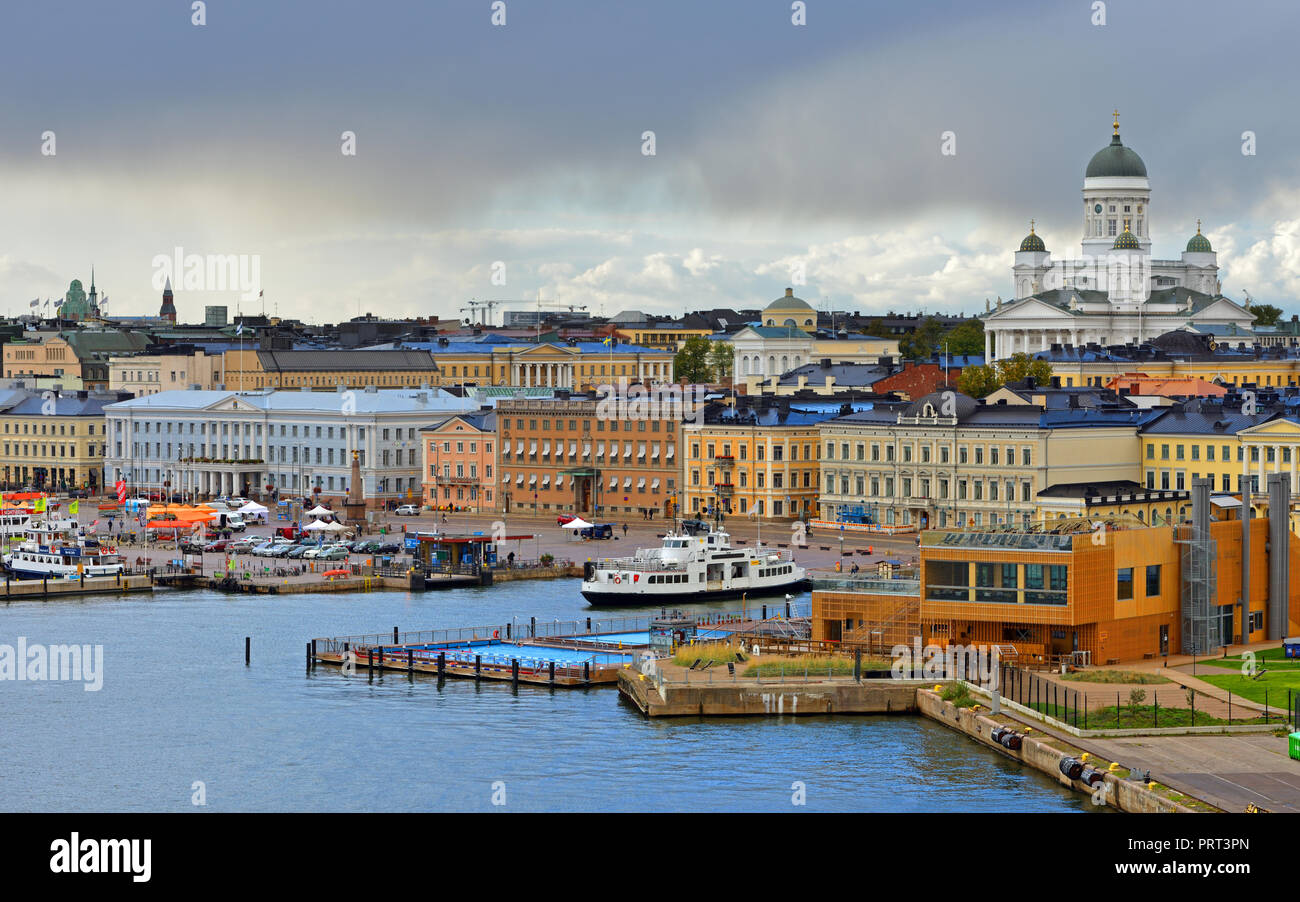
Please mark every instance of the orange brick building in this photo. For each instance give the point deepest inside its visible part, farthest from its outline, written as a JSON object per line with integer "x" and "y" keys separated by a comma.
{"x": 1116, "y": 595}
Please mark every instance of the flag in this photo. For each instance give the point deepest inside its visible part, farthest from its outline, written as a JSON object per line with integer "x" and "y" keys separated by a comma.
{"x": 121, "y": 491}
{"x": 39, "y": 506}
{"x": 36, "y": 303}
{"x": 609, "y": 341}
{"x": 74, "y": 507}
{"x": 239, "y": 330}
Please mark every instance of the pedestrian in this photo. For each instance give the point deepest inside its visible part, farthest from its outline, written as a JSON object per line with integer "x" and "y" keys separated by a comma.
{"x": 625, "y": 530}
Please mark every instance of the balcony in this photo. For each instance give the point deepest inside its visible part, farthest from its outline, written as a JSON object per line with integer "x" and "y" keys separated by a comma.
{"x": 457, "y": 480}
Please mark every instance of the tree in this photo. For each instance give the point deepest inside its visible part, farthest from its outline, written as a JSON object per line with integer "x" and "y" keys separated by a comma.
{"x": 920, "y": 344}
{"x": 721, "y": 359}
{"x": 1021, "y": 366}
{"x": 978, "y": 381}
{"x": 692, "y": 361}
{"x": 1266, "y": 314}
{"x": 968, "y": 338}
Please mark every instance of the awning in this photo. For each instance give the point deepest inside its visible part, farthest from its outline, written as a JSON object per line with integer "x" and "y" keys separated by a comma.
{"x": 640, "y": 483}
{"x": 627, "y": 482}
{"x": 532, "y": 447}
{"x": 600, "y": 450}
{"x": 546, "y": 448}
{"x": 586, "y": 449}
{"x": 672, "y": 450}
{"x": 654, "y": 452}
{"x": 640, "y": 450}
{"x": 546, "y": 480}
{"x": 505, "y": 477}
{"x": 613, "y": 483}
{"x": 519, "y": 447}
{"x": 573, "y": 449}
{"x": 559, "y": 481}
{"x": 654, "y": 484}
{"x": 627, "y": 450}
{"x": 519, "y": 480}
{"x": 532, "y": 480}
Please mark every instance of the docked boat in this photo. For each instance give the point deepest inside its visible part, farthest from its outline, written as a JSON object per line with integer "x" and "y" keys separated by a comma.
{"x": 34, "y": 559}
{"x": 705, "y": 567}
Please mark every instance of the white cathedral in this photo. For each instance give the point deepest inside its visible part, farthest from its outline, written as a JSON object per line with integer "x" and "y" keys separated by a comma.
{"x": 1115, "y": 293}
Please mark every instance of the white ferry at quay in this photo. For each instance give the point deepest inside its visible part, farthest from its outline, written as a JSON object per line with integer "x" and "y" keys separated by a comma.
{"x": 706, "y": 567}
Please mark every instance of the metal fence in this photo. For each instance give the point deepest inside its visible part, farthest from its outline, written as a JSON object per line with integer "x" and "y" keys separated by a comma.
{"x": 1141, "y": 706}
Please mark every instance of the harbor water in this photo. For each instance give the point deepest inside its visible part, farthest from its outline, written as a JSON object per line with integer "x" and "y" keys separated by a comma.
{"x": 180, "y": 718}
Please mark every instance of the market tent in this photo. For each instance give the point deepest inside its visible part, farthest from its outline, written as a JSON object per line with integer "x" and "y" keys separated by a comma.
{"x": 315, "y": 526}
{"x": 319, "y": 511}
{"x": 576, "y": 523}
{"x": 336, "y": 527}
{"x": 253, "y": 509}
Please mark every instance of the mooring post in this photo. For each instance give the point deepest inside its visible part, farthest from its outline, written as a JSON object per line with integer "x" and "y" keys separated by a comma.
{"x": 248, "y": 649}
{"x": 551, "y": 668}
{"x": 588, "y": 624}
{"x": 857, "y": 665}
{"x": 532, "y": 626}
{"x": 410, "y": 661}
{"x": 370, "y": 662}
{"x": 508, "y": 630}
{"x": 308, "y": 656}
{"x": 442, "y": 663}
{"x": 394, "y": 635}
{"x": 514, "y": 671}
{"x": 478, "y": 666}
{"x": 586, "y": 671}
{"x": 764, "y": 612}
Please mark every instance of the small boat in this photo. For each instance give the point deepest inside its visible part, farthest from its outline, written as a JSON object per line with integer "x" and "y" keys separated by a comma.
{"x": 32, "y": 559}
{"x": 704, "y": 567}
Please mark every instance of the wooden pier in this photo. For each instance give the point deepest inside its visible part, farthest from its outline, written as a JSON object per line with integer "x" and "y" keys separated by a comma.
{"x": 94, "y": 585}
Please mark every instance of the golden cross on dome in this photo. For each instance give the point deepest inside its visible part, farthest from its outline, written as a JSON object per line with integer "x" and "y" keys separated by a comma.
{"x": 1031, "y": 227}
{"x": 1198, "y": 227}
{"x": 1117, "y": 122}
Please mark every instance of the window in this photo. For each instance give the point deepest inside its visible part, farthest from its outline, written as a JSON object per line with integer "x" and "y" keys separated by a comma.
{"x": 1153, "y": 580}
{"x": 1124, "y": 584}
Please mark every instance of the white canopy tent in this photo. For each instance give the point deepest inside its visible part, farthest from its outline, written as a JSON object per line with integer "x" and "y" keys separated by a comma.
{"x": 315, "y": 526}
{"x": 320, "y": 511}
{"x": 576, "y": 523}
{"x": 253, "y": 510}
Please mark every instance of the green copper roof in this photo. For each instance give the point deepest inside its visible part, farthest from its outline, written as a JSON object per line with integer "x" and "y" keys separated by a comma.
{"x": 1199, "y": 244}
{"x": 1116, "y": 160}
{"x": 1126, "y": 241}
{"x": 1032, "y": 243}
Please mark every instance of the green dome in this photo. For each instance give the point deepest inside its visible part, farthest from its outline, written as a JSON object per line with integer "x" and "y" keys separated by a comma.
{"x": 1116, "y": 160}
{"x": 1199, "y": 244}
{"x": 1033, "y": 243}
{"x": 1126, "y": 241}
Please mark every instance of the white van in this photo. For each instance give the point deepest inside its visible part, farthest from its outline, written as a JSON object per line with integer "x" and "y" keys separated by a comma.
{"x": 231, "y": 520}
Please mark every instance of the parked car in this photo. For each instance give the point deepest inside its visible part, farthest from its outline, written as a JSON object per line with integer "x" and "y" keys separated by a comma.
{"x": 389, "y": 548}
{"x": 297, "y": 551}
{"x": 268, "y": 549}
{"x": 333, "y": 553}
{"x": 564, "y": 518}
{"x": 240, "y": 546}
{"x": 193, "y": 546}
{"x": 408, "y": 510}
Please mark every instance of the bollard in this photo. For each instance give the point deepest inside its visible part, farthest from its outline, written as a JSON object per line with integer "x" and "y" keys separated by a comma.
{"x": 588, "y": 624}
{"x": 857, "y": 665}
{"x": 764, "y": 612}
{"x": 410, "y": 661}
{"x": 507, "y": 630}
{"x": 309, "y": 656}
{"x": 551, "y": 667}
{"x": 787, "y": 610}
{"x": 248, "y": 649}
{"x": 586, "y": 671}
{"x": 394, "y": 635}
{"x": 478, "y": 666}
{"x": 514, "y": 671}
{"x": 371, "y": 665}
{"x": 442, "y": 663}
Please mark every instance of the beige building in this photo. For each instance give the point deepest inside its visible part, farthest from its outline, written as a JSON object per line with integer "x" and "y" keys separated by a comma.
{"x": 150, "y": 374}
{"x": 927, "y": 464}
{"x": 54, "y": 443}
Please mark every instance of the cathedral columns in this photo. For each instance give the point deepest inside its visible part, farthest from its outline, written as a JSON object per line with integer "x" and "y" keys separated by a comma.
{"x": 988, "y": 346}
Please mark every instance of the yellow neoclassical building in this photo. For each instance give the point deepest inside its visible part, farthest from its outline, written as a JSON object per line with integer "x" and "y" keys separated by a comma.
{"x": 448, "y": 362}
{"x": 54, "y": 442}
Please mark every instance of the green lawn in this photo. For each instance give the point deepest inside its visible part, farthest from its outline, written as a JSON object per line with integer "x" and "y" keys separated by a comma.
{"x": 1276, "y": 682}
{"x": 1144, "y": 717}
{"x": 1269, "y": 658}
{"x": 1115, "y": 676}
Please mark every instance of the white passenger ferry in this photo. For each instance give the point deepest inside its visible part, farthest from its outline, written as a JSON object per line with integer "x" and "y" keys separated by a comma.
{"x": 705, "y": 567}
{"x": 61, "y": 560}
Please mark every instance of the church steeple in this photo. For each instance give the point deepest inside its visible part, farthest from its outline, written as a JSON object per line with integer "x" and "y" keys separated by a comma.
{"x": 168, "y": 309}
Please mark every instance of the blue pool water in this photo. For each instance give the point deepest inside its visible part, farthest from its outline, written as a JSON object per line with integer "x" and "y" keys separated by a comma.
{"x": 504, "y": 652}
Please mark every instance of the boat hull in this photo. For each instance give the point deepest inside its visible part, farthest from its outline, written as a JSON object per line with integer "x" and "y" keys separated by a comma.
{"x": 603, "y": 599}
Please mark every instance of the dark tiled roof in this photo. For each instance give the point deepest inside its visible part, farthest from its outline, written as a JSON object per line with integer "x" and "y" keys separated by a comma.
{"x": 282, "y": 361}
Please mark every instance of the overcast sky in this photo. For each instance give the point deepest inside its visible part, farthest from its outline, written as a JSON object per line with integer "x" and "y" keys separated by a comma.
{"x": 776, "y": 145}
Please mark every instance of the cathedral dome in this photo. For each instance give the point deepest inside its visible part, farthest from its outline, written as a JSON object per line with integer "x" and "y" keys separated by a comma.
{"x": 1199, "y": 244}
{"x": 1116, "y": 161}
{"x": 1126, "y": 241}
{"x": 1033, "y": 243}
